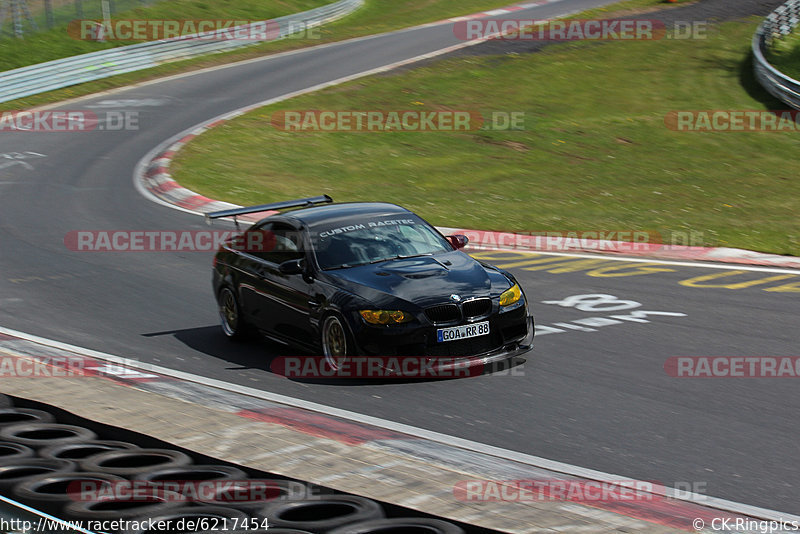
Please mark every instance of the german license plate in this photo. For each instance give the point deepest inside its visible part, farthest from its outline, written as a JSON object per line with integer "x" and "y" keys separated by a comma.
{"x": 462, "y": 332}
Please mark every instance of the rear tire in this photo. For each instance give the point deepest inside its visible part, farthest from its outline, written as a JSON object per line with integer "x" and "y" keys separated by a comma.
{"x": 230, "y": 316}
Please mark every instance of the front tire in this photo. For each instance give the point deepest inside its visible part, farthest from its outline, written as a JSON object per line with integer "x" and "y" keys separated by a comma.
{"x": 336, "y": 345}
{"x": 230, "y": 315}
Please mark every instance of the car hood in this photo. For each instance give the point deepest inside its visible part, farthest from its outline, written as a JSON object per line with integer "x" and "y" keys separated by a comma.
{"x": 424, "y": 280}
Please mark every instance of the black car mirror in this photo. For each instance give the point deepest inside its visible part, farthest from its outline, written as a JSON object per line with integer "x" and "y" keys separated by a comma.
{"x": 297, "y": 266}
{"x": 458, "y": 241}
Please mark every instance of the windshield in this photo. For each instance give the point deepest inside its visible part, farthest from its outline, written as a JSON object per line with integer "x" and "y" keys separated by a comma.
{"x": 358, "y": 242}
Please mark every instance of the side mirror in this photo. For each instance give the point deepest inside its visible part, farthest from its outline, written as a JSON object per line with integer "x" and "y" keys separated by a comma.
{"x": 458, "y": 241}
{"x": 293, "y": 266}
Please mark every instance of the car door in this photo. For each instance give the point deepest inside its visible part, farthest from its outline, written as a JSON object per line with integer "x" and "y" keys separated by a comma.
{"x": 278, "y": 302}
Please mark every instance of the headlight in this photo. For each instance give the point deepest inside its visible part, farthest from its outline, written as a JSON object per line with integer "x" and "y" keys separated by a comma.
{"x": 511, "y": 295}
{"x": 385, "y": 316}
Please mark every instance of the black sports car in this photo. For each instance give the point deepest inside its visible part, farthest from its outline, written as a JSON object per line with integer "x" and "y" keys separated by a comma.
{"x": 366, "y": 279}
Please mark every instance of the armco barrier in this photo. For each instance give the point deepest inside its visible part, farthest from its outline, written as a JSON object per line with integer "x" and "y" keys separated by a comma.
{"x": 778, "y": 23}
{"x": 35, "y": 79}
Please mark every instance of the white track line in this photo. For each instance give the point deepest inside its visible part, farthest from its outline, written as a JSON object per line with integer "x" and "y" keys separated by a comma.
{"x": 421, "y": 433}
{"x": 707, "y": 265}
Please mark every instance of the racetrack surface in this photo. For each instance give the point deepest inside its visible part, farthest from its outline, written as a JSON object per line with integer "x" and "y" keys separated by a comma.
{"x": 599, "y": 399}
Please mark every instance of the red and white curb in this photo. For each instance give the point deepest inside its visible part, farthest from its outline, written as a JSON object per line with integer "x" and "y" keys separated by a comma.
{"x": 158, "y": 181}
{"x": 501, "y": 11}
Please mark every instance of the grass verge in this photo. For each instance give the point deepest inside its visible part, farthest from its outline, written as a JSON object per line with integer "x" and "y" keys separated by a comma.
{"x": 58, "y": 43}
{"x": 595, "y": 154}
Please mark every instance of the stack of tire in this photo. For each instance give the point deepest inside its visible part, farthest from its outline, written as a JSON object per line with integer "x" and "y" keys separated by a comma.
{"x": 44, "y": 464}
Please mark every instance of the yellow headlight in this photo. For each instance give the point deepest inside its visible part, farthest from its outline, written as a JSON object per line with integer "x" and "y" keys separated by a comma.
{"x": 385, "y": 316}
{"x": 511, "y": 295}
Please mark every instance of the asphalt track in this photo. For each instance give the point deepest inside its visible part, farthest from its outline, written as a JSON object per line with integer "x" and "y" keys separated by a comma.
{"x": 597, "y": 397}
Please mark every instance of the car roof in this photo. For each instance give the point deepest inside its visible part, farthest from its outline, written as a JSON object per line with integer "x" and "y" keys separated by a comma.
{"x": 344, "y": 211}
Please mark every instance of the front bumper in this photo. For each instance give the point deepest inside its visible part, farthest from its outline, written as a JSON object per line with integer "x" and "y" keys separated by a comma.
{"x": 418, "y": 339}
{"x": 482, "y": 361}
{"x": 461, "y": 366}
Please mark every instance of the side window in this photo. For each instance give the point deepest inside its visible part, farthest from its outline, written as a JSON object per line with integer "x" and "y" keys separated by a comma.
{"x": 275, "y": 242}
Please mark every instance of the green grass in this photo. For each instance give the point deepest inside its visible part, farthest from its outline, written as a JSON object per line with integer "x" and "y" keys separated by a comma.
{"x": 57, "y": 43}
{"x": 63, "y": 11}
{"x": 785, "y": 54}
{"x": 596, "y": 154}
{"x": 374, "y": 17}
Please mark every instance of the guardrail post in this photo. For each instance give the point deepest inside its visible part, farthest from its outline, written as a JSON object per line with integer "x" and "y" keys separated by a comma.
{"x": 16, "y": 20}
{"x": 48, "y": 14}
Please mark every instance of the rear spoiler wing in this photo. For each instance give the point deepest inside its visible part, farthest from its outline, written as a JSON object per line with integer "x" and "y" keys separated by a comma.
{"x": 235, "y": 212}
